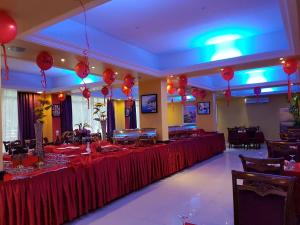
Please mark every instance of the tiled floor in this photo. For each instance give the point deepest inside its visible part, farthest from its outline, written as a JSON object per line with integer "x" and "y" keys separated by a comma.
{"x": 203, "y": 191}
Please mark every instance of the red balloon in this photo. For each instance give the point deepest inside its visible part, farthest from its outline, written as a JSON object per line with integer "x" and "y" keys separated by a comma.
{"x": 109, "y": 76}
{"x": 257, "y": 90}
{"x": 181, "y": 91}
{"x": 227, "y": 73}
{"x": 86, "y": 93}
{"x": 82, "y": 69}
{"x": 129, "y": 81}
{"x": 195, "y": 92}
{"x": 44, "y": 60}
{"x": 126, "y": 90}
{"x": 202, "y": 94}
{"x": 171, "y": 89}
{"x": 8, "y": 28}
{"x": 61, "y": 97}
{"x": 290, "y": 66}
{"x": 105, "y": 91}
{"x": 183, "y": 81}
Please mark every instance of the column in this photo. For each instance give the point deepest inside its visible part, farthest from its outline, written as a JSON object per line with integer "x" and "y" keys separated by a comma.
{"x": 208, "y": 122}
{"x": 1, "y": 140}
{"x": 157, "y": 120}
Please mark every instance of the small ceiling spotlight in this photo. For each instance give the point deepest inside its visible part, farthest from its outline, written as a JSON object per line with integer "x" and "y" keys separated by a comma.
{"x": 116, "y": 73}
{"x": 62, "y": 60}
{"x": 281, "y": 59}
{"x": 221, "y": 69}
{"x": 93, "y": 67}
{"x": 39, "y": 92}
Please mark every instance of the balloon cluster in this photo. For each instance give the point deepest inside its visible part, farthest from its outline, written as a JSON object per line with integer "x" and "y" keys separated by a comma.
{"x": 199, "y": 93}
{"x": 127, "y": 88}
{"x": 290, "y": 67}
{"x": 227, "y": 74}
{"x": 181, "y": 82}
{"x": 8, "y": 32}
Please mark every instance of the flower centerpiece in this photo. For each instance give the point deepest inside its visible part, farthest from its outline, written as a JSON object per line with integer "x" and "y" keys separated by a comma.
{"x": 99, "y": 112}
{"x": 44, "y": 105}
{"x": 82, "y": 132}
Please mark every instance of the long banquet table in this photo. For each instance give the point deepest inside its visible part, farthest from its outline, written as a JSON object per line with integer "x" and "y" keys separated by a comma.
{"x": 92, "y": 181}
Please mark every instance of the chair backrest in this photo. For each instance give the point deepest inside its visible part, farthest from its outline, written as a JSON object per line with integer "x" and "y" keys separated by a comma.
{"x": 262, "y": 199}
{"x": 270, "y": 165}
{"x": 7, "y": 146}
{"x": 283, "y": 149}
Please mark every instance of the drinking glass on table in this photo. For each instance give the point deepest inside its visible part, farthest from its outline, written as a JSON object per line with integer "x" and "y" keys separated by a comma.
{"x": 292, "y": 162}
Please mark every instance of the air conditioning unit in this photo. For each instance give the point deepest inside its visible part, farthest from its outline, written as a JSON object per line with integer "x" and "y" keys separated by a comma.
{"x": 256, "y": 100}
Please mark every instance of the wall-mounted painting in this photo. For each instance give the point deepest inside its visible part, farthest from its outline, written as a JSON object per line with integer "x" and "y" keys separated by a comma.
{"x": 189, "y": 114}
{"x": 55, "y": 110}
{"x": 149, "y": 103}
{"x": 203, "y": 108}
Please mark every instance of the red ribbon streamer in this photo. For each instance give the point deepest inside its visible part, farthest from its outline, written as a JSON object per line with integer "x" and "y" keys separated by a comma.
{"x": 6, "y": 76}
{"x": 289, "y": 88}
{"x": 86, "y": 51}
{"x": 43, "y": 81}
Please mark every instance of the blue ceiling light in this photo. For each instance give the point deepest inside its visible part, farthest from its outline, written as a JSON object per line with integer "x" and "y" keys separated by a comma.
{"x": 90, "y": 79}
{"x": 226, "y": 53}
{"x": 256, "y": 76}
{"x": 267, "y": 90}
{"x": 222, "y": 38}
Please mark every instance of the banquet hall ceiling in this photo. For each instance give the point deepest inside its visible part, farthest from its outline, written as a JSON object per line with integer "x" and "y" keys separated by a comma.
{"x": 161, "y": 38}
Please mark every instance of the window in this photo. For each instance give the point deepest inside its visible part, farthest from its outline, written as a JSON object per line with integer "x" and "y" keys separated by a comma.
{"x": 81, "y": 113}
{"x": 10, "y": 128}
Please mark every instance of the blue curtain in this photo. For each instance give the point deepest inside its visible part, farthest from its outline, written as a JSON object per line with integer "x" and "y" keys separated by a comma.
{"x": 132, "y": 119}
{"x": 111, "y": 122}
{"x": 66, "y": 115}
{"x": 26, "y": 117}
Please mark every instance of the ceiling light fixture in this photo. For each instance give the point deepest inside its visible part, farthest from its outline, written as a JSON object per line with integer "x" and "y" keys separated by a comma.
{"x": 62, "y": 60}
{"x": 39, "y": 92}
{"x": 116, "y": 73}
{"x": 93, "y": 67}
{"x": 281, "y": 59}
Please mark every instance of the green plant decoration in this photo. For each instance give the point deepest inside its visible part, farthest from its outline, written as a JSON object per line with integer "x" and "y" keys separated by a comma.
{"x": 82, "y": 126}
{"x": 295, "y": 111}
{"x": 39, "y": 111}
{"x": 99, "y": 111}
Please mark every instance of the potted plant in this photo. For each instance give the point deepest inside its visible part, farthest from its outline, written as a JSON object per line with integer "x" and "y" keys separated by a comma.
{"x": 99, "y": 112}
{"x": 44, "y": 105}
{"x": 295, "y": 111}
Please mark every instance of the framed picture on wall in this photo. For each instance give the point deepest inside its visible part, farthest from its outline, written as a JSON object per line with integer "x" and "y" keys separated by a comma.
{"x": 149, "y": 103}
{"x": 203, "y": 108}
{"x": 56, "y": 110}
{"x": 189, "y": 114}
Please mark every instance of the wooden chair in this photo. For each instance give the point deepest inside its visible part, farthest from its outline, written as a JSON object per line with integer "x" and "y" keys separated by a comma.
{"x": 283, "y": 149}
{"x": 7, "y": 147}
{"x": 270, "y": 165}
{"x": 262, "y": 199}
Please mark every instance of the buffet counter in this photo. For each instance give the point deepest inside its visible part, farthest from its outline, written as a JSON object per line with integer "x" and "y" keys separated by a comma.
{"x": 87, "y": 182}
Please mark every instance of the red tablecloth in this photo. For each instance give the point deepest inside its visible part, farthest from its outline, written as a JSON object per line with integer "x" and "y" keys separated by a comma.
{"x": 92, "y": 181}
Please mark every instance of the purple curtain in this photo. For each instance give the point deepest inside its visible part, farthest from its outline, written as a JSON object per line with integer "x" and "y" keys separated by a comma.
{"x": 132, "y": 117}
{"x": 26, "y": 116}
{"x": 111, "y": 123}
{"x": 66, "y": 115}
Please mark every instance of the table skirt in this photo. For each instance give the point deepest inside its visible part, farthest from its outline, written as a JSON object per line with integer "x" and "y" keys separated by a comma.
{"x": 63, "y": 195}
